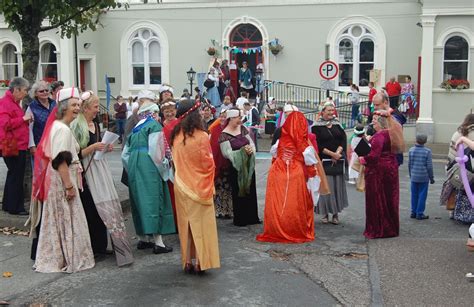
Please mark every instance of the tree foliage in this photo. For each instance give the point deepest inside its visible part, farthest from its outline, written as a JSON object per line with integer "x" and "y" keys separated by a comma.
{"x": 69, "y": 17}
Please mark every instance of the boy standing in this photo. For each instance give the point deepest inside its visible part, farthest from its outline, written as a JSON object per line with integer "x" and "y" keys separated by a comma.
{"x": 420, "y": 168}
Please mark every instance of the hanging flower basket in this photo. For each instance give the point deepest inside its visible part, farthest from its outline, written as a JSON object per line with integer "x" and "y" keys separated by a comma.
{"x": 275, "y": 48}
{"x": 211, "y": 51}
{"x": 457, "y": 84}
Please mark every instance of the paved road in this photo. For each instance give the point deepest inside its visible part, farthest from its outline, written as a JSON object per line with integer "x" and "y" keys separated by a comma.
{"x": 424, "y": 266}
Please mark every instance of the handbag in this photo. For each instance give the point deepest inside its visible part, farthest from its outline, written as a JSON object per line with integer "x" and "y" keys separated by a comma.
{"x": 333, "y": 169}
{"x": 209, "y": 83}
{"x": 9, "y": 145}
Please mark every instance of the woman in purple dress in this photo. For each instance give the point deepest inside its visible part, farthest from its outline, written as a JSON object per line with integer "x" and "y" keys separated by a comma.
{"x": 381, "y": 180}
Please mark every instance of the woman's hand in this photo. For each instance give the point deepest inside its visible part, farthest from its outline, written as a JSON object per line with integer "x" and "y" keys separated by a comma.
{"x": 336, "y": 156}
{"x": 99, "y": 146}
{"x": 462, "y": 139}
{"x": 28, "y": 117}
{"x": 110, "y": 147}
{"x": 70, "y": 193}
{"x": 248, "y": 149}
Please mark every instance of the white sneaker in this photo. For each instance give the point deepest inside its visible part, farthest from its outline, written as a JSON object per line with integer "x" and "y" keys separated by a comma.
{"x": 351, "y": 181}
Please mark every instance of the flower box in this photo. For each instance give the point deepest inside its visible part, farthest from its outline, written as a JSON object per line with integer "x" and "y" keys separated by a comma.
{"x": 457, "y": 84}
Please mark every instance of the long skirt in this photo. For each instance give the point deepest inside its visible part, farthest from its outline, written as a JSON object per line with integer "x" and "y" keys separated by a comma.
{"x": 107, "y": 203}
{"x": 64, "y": 244}
{"x": 223, "y": 197}
{"x": 197, "y": 221}
{"x": 336, "y": 201}
{"x": 463, "y": 210}
{"x": 289, "y": 216}
{"x": 245, "y": 208}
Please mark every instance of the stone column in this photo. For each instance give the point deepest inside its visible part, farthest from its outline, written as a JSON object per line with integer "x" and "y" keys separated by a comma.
{"x": 425, "y": 124}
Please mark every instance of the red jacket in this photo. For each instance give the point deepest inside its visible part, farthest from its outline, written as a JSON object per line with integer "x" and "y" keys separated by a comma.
{"x": 11, "y": 115}
{"x": 393, "y": 89}
{"x": 372, "y": 93}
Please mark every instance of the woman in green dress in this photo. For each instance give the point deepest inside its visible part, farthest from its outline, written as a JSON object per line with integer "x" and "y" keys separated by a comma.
{"x": 145, "y": 160}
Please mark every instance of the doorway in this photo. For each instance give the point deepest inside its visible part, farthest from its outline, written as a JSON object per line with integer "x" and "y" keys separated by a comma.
{"x": 85, "y": 75}
{"x": 245, "y": 35}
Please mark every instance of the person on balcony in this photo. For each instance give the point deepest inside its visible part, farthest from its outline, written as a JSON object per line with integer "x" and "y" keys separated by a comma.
{"x": 245, "y": 78}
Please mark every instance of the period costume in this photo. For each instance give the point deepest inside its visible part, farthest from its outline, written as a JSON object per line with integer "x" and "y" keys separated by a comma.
{"x": 64, "y": 243}
{"x": 381, "y": 188}
{"x": 241, "y": 176}
{"x": 147, "y": 174}
{"x": 289, "y": 216}
{"x": 100, "y": 199}
{"x": 194, "y": 189}
{"x": 331, "y": 135}
{"x": 223, "y": 195}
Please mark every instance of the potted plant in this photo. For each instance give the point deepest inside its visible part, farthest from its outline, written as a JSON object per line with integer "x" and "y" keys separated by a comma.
{"x": 457, "y": 84}
{"x": 211, "y": 51}
{"x": 275, "y": 47}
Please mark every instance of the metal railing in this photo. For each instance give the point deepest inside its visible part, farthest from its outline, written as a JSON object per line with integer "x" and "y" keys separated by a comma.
{"x": 309, "y": 98}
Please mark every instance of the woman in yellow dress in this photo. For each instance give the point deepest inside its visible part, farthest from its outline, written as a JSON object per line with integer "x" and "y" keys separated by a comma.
{"x": 194, "y": 191}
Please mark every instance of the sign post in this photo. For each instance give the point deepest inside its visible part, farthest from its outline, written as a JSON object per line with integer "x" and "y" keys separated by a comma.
{"x": 328, "y": 70}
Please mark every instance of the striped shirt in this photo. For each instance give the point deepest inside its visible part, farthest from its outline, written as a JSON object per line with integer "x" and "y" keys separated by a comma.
{"x": 420, "y": 164}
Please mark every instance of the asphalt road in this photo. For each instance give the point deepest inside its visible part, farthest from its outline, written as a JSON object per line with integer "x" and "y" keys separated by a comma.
{"x": 424, "y": 266}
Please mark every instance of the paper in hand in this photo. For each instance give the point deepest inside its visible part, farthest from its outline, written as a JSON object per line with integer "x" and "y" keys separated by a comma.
{"x": 109, "y": 138}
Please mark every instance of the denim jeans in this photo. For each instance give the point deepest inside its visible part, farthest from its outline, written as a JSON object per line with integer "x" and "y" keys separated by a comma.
{"x": 120, "y": 126}
{"x": 419, "y": 192}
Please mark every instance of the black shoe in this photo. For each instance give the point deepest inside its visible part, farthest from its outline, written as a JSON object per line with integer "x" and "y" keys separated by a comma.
{"x": 145, "y": 245}
{"x": 413, "y": 216}
{"x": 422, "y": 217}
{"x": 19, "y": 213}
{"x": 162, "y": 250}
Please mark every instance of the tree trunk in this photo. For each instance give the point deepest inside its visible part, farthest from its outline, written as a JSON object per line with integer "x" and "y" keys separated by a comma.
{"x": 30, "y": 56}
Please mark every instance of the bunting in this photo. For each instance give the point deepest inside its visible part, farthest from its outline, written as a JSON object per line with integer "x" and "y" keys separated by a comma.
{"x": 252, "y": 50}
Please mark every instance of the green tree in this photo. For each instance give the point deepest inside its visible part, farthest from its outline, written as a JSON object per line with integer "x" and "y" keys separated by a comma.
{"x": 69, "y": 17}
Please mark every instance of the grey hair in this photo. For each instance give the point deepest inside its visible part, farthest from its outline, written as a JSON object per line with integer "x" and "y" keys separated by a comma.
{"x": 18, "y": 82}
{"x": 383, "y": 122}
{"x": 62, "y": 108}
{"x": 36, "y": 86}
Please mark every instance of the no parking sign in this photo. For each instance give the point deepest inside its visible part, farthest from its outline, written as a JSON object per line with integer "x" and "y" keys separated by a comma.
{"x": 328, "y": 70}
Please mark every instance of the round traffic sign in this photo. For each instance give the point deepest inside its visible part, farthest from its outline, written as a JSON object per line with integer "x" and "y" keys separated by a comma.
{"x": 328, "y": 70}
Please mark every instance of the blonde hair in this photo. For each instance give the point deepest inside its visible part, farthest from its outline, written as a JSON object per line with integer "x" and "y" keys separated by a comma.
{"x": 79, "y": 126}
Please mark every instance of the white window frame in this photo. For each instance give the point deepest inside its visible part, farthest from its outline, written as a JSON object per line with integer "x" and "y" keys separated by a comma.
{"x": 379, "y": 39}
{"x": 356, "y": 41}
{"x": 40, "y": 63}
{"x": 443, "y": 60}
{"x": 127, "y": 86}
{"x": 18, "y": 58}
{"x": 146, "y": 56}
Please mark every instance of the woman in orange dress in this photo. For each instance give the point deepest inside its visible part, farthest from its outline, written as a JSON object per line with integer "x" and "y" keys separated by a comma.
{"x": 289, "y": 216}
{"x": 194, "y": 191}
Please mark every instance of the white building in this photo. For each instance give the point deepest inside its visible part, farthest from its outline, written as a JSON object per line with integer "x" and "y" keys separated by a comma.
{"x": 155, "y": 43}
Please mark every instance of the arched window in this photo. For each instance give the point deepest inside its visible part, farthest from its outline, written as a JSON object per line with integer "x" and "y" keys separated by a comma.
{"x": 9, "y": 62}
{"x": 48, "y": 63}
{"x": 355, "y": 55}
{"x": 456, "y": 59}
{"x": 145, "y": 58}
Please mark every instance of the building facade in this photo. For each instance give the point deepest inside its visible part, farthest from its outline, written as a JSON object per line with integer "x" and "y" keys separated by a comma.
{"x": 371, "y": 40}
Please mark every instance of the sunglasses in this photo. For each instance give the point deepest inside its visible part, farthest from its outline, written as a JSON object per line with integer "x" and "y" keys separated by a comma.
{"x": 43, "y": 91}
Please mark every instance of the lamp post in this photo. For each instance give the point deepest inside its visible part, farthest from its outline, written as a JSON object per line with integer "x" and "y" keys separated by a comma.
{"x": 258, "y": 76}
{"x": 191, "y": 74}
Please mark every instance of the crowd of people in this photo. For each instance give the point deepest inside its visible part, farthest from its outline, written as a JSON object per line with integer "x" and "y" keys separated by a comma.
{"x": 189, "y": 161}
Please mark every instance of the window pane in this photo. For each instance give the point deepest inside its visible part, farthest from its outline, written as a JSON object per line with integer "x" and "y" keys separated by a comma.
{"x": 155, "y": 74}
{"x": 138, "y": 74}
{"x": 366, "y": 50}
{"x": 364, "y": 73}
{"x": 48, "y": 53}
{"x": 345, "y": 51}
{"x": 49, "y": 72}
{"x": 345, "y": 74}
{"x": 9, "y": 56}
{"x": 137, "y": 53}
{"x": 456, "y": 48}
{"x": 455, "y": 70}
{"x": 154, "y": 52}
{"x": 10, "y": 71}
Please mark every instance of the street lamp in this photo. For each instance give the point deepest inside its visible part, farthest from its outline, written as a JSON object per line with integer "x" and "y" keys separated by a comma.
{"x": 258, "y": 76}
{"x": 191, "y": 74}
